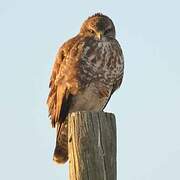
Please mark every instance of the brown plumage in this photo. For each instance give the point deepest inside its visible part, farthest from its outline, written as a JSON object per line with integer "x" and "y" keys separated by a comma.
{"x": 87, "y": 70}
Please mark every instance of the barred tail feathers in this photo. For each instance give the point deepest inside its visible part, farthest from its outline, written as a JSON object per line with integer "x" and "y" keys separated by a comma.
{"x": 61, "y": 149}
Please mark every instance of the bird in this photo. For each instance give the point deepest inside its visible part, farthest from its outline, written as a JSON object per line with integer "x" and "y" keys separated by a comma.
{"x": 88, "y": 69}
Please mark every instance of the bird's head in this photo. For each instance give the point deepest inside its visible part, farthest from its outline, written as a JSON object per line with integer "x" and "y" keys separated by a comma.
{"x": 98, "y": 26}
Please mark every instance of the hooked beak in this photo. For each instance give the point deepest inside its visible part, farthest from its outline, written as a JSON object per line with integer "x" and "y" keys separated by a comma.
{"x": 99, "y": 35}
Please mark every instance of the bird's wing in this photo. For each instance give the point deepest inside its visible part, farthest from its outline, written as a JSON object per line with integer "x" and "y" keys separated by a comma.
{"x": 59, "y": 96}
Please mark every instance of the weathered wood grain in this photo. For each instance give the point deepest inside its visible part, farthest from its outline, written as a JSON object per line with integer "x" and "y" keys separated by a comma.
{"x": 92, "y": 146}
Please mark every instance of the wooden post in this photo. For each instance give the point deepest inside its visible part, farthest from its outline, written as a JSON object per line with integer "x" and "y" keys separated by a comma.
{"x": 92, "y": 146}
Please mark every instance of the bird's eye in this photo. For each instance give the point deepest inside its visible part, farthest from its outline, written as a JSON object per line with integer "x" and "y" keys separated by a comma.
{"x": 91, "y": 31}
{"x": 107, "y": 31}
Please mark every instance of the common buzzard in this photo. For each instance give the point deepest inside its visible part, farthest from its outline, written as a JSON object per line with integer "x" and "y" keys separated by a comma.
{"x": 88, "y": 69}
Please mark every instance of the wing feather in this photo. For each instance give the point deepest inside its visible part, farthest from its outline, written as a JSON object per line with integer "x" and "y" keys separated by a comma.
{"x": 59, "y": 96}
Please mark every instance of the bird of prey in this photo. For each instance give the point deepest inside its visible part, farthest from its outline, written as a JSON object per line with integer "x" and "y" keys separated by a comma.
{"x": 88, "y": 69}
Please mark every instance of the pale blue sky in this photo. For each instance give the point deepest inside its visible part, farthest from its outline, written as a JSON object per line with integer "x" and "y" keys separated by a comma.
{"x": 146, "y": 106}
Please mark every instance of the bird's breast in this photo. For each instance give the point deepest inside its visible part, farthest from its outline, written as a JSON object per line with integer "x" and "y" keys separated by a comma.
{"x": 100, "y": 61}
{"x": 92, "y": 98}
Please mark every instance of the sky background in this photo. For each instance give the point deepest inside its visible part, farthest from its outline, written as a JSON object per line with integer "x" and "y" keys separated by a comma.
{"x": 147, "y": 106}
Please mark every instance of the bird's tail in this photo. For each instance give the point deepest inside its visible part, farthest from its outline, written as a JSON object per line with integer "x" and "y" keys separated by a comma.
{"x": 61, "y": 150}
